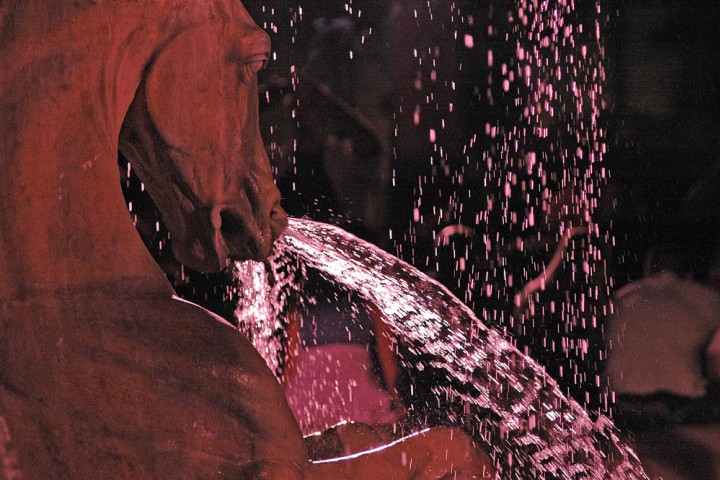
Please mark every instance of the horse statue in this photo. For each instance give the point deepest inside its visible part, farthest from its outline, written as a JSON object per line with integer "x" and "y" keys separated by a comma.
{"x": 104, "y": 373}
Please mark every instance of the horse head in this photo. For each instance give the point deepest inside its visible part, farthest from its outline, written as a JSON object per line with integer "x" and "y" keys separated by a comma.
{"x": 192, "y": 134}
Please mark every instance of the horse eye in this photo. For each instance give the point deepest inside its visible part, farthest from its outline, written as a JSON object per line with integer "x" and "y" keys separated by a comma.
{"x": 249, "y": 69}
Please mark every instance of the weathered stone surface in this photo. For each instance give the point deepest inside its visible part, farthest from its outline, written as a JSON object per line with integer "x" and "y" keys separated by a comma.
{"x": 104, "y": 386}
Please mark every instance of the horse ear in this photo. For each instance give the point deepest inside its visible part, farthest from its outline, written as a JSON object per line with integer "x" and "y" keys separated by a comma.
{"x": 195, "y": 78}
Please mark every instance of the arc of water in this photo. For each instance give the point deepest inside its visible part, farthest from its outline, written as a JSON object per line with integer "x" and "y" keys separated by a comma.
{"x": 536, "y": 431}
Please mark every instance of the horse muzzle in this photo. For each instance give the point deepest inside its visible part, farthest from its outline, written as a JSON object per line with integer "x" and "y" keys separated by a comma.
{"x": 251, "y": 238}
{"x": 213, "y": 236}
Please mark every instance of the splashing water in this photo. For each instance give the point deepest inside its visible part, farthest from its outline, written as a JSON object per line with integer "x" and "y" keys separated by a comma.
{"x": 505, "y": 399}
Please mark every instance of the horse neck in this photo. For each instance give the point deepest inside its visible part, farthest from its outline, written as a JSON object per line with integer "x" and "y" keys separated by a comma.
{"x": 65, "y": 226}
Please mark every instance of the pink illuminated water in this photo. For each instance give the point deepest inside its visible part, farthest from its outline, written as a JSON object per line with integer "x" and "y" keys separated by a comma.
{"x": 490, "y": 389}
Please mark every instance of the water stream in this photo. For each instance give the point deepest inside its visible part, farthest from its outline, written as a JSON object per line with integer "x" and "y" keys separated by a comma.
{"x": 479, "y": 381}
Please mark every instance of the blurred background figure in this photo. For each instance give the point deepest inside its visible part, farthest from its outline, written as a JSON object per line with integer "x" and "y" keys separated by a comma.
{"x": 658, "y": 340}
{"x": 664, "y": 366}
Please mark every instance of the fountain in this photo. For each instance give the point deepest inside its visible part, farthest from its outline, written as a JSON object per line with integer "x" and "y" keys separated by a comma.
{"x": 105, "y": 372}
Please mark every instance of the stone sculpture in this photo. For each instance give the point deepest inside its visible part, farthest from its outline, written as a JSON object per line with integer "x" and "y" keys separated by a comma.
{"x": 103, "y": 372}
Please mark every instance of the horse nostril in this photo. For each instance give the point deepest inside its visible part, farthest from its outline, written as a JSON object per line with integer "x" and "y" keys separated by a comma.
{"x": 278, "y": 218}
{"x": 230, "y": 224}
